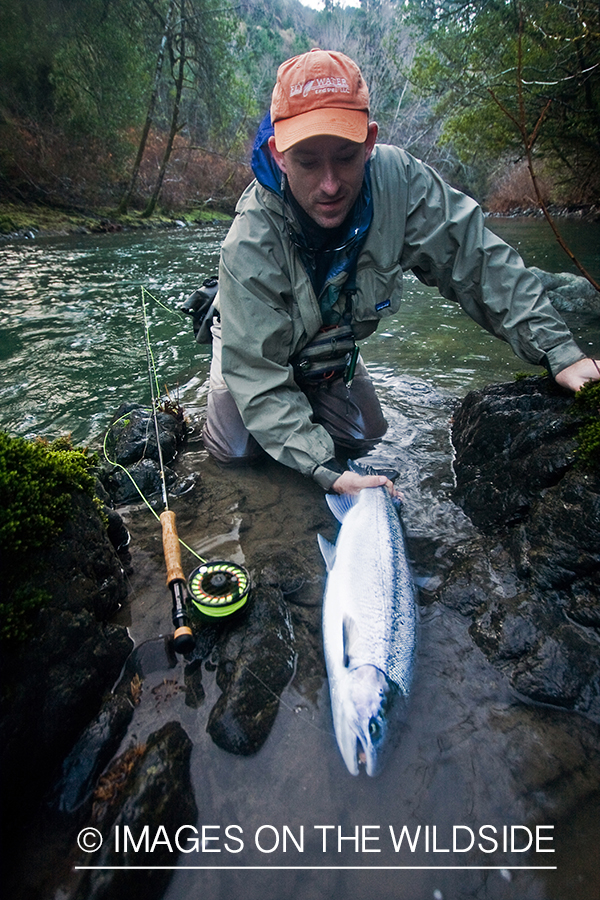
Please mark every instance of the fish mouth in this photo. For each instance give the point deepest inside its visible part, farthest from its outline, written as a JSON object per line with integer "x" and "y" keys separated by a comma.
{"x": 358, "y": 754}
{"x": 361, "y": 756}
{"x": 364, "y": 719}
{"x": 367, "y": 759}
{"x": 363, "y": 759}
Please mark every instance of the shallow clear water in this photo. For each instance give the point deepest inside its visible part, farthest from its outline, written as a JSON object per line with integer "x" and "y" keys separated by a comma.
{"x": 72, "y": 349}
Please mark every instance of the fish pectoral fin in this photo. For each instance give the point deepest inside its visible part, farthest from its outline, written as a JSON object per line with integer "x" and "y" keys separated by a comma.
{"x": 349, "y": 638}
{"x": 327, "y": 551}
{"x": 341, "y": 504}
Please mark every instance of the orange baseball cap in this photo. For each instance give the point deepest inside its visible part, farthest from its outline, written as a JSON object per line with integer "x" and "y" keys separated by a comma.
{"x": 320, "y": 92}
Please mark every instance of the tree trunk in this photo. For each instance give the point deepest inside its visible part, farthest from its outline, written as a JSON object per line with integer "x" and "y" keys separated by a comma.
{"x": 126, "y": 199}
{"x": 175, "y": 127}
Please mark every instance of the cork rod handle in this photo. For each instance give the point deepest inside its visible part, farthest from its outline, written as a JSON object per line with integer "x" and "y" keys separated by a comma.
{"x": 171, "y": 547}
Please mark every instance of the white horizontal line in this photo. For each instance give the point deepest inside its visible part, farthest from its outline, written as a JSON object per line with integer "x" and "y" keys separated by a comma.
{"x": 316, "y": 868}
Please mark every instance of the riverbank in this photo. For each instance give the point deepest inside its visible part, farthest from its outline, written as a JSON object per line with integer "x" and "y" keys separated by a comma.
{"x": 29, "y": 221}
{"x": 582, "y": 213}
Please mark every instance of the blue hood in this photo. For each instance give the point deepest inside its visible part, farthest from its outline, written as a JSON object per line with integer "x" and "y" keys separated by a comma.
{"x": 265, "y": 169}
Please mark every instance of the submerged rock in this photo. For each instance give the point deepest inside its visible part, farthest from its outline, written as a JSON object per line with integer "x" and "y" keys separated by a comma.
{"x": 530, "y": 581}
{"x": 148, "y": 791}
{"x": 142, "y": 477}
{"x": 91, "y": 754}
{"x": 132, "y": 448}
{"x": 255, "y": 664}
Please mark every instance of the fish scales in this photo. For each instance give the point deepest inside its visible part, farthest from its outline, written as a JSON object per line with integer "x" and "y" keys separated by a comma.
{"x": 379, "y": 591}
{"x": 369, "y": 625}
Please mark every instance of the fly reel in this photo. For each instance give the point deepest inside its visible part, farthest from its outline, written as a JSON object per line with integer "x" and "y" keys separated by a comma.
{"x": 218, "y": 589}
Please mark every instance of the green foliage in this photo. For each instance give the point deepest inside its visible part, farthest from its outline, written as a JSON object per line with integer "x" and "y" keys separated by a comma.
{"x": 267, "y": 36}
{"x": 99, "y": 72}
{"x": 587, "y": 404}
{"x": 78, "y": 78}
{"x": 78, "y": 66}
{"x": 470, "y": 54}
{"x": 37, "y": 481}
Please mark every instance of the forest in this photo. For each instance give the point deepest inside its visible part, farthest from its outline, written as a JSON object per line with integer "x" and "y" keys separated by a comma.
{"x": 145, "y": 105}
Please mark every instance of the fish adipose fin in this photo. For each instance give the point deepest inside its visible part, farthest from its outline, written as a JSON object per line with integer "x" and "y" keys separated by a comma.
{"x": 341, "y": 504}
{"x": 327, "y": 551}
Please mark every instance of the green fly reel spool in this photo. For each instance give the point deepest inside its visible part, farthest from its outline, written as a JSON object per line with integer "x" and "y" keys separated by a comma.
{"x": 219, "y": 588}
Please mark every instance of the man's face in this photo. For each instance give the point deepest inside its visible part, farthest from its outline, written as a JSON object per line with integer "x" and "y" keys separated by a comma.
{"x": 325, "y": 174}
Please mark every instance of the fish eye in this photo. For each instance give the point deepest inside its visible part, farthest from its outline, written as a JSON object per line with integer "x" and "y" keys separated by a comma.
{"x": 374, "y": 728}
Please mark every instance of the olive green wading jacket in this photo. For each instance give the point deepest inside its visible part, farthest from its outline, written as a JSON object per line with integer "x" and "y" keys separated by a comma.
{"x": 269, "y": 310}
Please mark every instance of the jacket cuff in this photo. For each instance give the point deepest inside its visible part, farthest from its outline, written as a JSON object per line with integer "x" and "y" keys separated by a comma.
{"x": 564, "y": 355}
{"x": 327, "y": 473}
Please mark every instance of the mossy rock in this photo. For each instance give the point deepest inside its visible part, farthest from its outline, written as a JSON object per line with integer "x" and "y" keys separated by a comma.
{"x": 38, "y": 480}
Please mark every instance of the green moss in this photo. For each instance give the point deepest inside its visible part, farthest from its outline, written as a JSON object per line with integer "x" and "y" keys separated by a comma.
{"x": 20, "y": 218}
{"x": 587, "y": 405}
{"x": 520, "y": 376}
{"x": 7, "y": 225}
{"x": 18, "y": 610}
{"x": 37, "y": 482}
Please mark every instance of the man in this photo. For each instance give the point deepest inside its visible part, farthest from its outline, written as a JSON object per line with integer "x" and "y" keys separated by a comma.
{"x": 314, "y": 260}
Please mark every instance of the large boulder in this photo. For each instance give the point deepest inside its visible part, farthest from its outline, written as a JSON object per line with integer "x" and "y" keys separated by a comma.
{"x": 568, "y": 292}
{"x": 529, "y": 582}
{"x": 132, "y": 448}
{"x": 53, "y": 682}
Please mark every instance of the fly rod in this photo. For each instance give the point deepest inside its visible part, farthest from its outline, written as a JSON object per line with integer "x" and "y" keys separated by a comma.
{"x": 183, "y": 638}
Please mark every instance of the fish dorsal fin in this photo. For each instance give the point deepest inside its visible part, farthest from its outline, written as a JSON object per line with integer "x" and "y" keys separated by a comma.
{"x": 361, "y": 468}
{"x": 366, "y": 469}
{"x": 340, "y": 504}
{"x": 327, "y": 551}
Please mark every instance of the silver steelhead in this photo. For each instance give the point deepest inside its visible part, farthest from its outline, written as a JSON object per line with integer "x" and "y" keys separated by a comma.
{"x": 369, "y": 625}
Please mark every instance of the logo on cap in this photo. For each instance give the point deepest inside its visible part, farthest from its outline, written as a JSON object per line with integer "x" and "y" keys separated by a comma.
{"x": 320, "y": 86}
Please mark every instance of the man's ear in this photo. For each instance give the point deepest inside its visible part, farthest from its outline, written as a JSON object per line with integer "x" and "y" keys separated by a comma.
{"x": 371, "y": 138}
{"x": 277, "y": 156}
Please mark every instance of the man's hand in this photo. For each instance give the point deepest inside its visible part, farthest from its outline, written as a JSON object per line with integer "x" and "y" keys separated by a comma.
{"x": 575, "y": 376}
{"x": 351, "y": 483}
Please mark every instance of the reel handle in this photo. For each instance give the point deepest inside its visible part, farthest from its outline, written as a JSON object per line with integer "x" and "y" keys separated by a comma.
{"x": 183, "y": 639}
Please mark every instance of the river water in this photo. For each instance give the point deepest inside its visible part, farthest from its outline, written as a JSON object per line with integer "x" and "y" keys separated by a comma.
{"x": 473, "y": 754}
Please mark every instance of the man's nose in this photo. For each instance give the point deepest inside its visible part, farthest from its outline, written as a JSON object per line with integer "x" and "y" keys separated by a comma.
{"x": 330, "y": 181}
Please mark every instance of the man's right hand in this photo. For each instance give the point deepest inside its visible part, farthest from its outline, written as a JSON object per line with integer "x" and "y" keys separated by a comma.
{"x": 576, "y": 375}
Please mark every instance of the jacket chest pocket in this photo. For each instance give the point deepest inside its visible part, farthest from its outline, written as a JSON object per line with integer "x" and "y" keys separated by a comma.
{"x": 378, "y": 292}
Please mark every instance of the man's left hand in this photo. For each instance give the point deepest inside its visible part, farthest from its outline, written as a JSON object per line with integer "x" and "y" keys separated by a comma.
{"x": 353, "y": 483}
{"x": 576, "y": 375}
